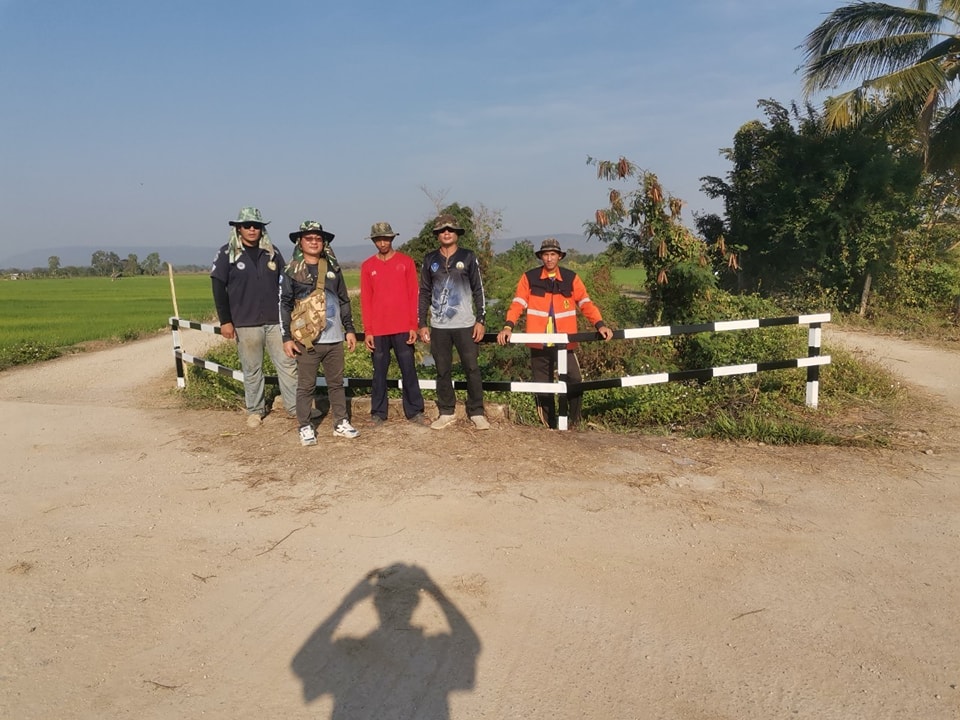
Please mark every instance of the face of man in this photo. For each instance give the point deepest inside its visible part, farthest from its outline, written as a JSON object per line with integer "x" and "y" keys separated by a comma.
{"x": 447, "y": 237}
{"x": 250, "y": 233}
{"x": 311, "y": 245}
{"x": 384, "y": 245}
{"x": 550, "y": 260}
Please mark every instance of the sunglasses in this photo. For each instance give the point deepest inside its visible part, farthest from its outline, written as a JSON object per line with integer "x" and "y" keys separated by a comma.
{"x": 251, "y": 226}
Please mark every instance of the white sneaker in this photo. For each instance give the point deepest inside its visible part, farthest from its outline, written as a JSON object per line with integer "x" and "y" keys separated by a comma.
{"x": 307, "y": 435}
{"x": 253, "y": 420}
{"x": 480, "y": 421}
{"x": 345, "y": 430}
{"x": 442, "y": 421}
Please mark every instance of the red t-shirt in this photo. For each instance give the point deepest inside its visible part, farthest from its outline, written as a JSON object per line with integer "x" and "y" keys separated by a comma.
{"x": 388, "y": 294}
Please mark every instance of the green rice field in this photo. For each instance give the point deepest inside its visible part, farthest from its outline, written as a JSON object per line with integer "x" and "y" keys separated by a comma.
{"x": 64, "y": 312}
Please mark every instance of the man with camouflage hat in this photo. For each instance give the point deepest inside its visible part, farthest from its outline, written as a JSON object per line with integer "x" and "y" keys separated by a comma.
{"x": 551, "y": 296}
{"x": 388, "y": 299}
{"x": 315, "y": 267}
{"x": 246, "y": 290}
{"x": 453, "y": 303}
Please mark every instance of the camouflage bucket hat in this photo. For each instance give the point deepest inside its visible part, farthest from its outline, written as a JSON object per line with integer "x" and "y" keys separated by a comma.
{"x": 382, "y": 229}
{"x": 311, "y": 227}
{"x": 248, "y": 214}
{"x": 446, "y": 221}
{"x": 550, "y": 245}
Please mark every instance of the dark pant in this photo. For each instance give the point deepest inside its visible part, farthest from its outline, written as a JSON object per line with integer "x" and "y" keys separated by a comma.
{"x": 442, "y": 342}
{"x": 543, "y": 362}
{"x": 330, "y": 355}
{"x": 412, "y": 397}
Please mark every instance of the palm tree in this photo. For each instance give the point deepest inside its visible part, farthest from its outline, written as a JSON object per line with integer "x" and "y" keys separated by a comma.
{"x": 907, "y": 60}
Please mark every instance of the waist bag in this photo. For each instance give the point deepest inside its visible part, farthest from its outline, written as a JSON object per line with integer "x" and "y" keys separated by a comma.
{"x": 309, "y": 316}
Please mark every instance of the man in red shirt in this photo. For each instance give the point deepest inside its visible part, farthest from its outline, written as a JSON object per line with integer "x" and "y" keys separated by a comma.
{"x": 389, "y": 289}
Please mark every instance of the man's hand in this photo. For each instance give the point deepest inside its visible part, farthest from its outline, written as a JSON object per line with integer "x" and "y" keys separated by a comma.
{"x": 412, "y": 337}
{"x": 605, "y": 332}
{"x": 368, "y": 341}
{"x": 351, "y": 341}
{"x": 290, "y": 349}
{"x": 478, "y": 332}
{"x": 503, "y": 337}
{"x": 425, "y": 334}
{"x": 228, "y": 331}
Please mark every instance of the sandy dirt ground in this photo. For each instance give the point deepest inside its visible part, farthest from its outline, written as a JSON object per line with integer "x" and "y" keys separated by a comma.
{"x": 162, "y": 563}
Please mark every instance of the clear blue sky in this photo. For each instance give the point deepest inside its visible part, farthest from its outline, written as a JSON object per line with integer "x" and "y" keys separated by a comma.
{"x": 129, "y": 122}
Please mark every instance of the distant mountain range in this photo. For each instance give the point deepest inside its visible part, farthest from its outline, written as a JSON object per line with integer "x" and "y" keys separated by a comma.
{"x": 190, "y": 255}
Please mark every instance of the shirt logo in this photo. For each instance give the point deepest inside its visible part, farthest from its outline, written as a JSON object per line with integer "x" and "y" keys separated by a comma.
{"x": 241, "y": 265}
{"x": 434, "y": 267}
{"x": 330, "y": 274}
{"x": 459, "y": 266}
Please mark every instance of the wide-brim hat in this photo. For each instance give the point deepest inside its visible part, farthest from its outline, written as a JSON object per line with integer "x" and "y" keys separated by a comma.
{"x": 311, "y": 227}
{"x": 381, "y": 229}
{"x": 447, "y": 222}
{"x": 248, "y": 214}
{"x": 550, "y": 245}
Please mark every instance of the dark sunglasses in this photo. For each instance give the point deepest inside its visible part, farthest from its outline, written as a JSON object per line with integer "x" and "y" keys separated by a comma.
{"x": 251, "y": 226}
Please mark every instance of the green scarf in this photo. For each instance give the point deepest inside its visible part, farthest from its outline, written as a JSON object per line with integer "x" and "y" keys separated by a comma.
{"x": 235, "y": 245}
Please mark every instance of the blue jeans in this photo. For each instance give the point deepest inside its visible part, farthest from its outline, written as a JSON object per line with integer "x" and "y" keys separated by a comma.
{"x": 251, "y": 342}
{"x": 412, "y": 397}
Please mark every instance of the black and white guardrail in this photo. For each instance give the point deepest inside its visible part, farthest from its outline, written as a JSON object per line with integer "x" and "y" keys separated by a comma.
{"x": 812, "y": 362}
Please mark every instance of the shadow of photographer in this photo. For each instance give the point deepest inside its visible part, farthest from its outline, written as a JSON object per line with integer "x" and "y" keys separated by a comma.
{"x": 397, "y": 670}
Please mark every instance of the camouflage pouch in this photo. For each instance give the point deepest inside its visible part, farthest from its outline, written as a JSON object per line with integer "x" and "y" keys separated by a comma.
{"x": 309, "y": 316}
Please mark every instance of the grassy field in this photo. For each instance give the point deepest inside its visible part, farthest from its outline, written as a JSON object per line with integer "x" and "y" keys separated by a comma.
{"x": 632, "y": 279}
{"x": 65, "y": 312}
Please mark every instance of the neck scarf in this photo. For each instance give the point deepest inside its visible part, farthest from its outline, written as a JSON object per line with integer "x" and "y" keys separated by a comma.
{"x": 235, "y": 245}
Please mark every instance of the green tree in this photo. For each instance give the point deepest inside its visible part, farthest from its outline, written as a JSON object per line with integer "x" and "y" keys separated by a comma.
{"x": 809, "y": 208}
{"x": 151, "y": 264}
{"x": 105, "y": 263}
{"x": 53, "y": 265}
{"x": 647, "y": 220}
{"x": 907, "y": 61}
{"x": 131, "y": 266}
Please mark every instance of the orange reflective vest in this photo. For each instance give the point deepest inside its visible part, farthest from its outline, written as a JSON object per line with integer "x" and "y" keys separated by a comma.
{"x": 559, "y": 297}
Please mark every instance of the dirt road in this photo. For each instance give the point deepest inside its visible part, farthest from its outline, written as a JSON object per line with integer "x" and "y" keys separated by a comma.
{"x": 165, "y": 564}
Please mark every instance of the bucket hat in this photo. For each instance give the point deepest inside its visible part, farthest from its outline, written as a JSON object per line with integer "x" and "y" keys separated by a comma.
{"x": 550, "y": 245}
{"x": 248, "y": 214}
{"x": 382, "y": 229}
{"x": 311, "y": 227}
{"x": 446, "y": 221}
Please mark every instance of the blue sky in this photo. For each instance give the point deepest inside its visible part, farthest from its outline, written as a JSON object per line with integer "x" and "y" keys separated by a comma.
{"x": 128, "y": 122}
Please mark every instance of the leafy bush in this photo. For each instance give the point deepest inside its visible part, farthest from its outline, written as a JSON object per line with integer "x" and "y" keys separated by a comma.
{"x": 26, "y": 352}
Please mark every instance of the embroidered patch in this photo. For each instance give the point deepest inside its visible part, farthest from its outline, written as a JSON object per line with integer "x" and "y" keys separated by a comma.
{"x": 331, "y": 274}
{"x": 241, "y": 265}
{"x": 434, "y": 267}
{"x": 459, "y": 266}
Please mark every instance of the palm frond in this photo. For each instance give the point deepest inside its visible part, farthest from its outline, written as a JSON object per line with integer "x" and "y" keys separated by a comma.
{"x": 950, "y": 9}
{"x": 945, "y": 141}
{"x": 872, "y": 57}
{"x": 864, "y": 21}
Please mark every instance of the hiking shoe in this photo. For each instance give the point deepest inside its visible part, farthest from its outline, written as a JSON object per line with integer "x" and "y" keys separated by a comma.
{"x": 419, "y": 419}
{"x": 307, "y": 435}
{"x": 480, "y": 421}
{"x": 345, "y": 430}
{"x": 254, "y": 420}
{"x": 442, "y": 421}
{"x": 377, "y": 421}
